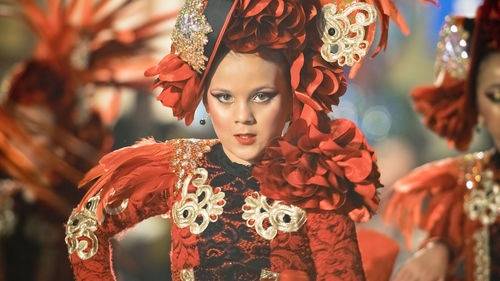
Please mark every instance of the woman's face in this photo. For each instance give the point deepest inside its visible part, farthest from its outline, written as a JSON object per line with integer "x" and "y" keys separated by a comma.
{"x": 488, "y": 95}
{"x": 249, "y": 101}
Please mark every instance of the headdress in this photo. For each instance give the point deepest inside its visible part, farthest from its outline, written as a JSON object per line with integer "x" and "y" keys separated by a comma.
{"x": 316, "y": 157}
{"x": 449, "y": 106}
{"x": 78, "y": 50}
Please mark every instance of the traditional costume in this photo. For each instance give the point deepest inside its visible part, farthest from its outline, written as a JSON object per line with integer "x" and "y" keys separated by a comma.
{"x": 291, "y": 215}
{"x": 457, "y": 201}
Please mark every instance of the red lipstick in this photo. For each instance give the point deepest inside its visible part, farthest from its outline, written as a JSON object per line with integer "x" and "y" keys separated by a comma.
{"x": 246, "y": 139}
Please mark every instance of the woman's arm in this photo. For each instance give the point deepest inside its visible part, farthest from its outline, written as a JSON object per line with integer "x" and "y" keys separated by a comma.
{"x": 89, "y": 241}
{"x": 334, "y": 246}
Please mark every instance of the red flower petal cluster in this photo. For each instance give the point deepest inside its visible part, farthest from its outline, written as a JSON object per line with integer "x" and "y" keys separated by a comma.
{"x": 274, "y": 24}
{"x": 316, "y": 170}
{"x": 448, "y": 111}
{"x": 316, "y": 82}
{"x": 181, "y": 86}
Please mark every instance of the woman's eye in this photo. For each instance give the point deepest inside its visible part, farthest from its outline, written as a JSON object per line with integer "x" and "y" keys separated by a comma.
{"x": 494, "y": 96}
{"x": 224, "y": 98}
{"x": 263, "y": 97}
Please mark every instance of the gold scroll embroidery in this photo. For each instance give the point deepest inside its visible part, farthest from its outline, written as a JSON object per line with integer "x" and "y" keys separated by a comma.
{"x": 344, "y": 41}
{"x": 286, "y": 218}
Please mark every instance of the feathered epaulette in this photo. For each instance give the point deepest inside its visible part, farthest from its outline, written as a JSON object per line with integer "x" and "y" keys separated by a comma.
{"x": 139, "y": 170}
{"x": 438, "y": 185}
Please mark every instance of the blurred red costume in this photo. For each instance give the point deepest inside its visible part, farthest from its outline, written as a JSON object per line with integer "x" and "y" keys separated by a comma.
{"x": 457, "y": 201}
{"x": 289, "y": 217}
{"x": 50, "y": 133}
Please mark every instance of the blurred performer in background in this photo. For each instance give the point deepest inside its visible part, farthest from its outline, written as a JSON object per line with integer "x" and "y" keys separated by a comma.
{"x": 51, "y": 132}
{"x": 262, "y": 202}
{"x": 457, "y": 201}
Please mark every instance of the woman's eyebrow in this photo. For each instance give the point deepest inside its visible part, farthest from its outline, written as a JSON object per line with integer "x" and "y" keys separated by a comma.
{"x": 259, "y": 89}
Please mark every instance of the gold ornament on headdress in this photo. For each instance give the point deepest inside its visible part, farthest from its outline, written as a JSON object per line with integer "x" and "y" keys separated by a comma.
{"x": 452, "y": 56}
{"x": 343, "y": 32}
{"x": 190, "y": 34}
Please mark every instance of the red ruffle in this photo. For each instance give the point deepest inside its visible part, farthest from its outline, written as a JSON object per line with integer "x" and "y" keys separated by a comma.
{"x": 274, "y": 24}
{"x": 448, "y": 111}
{"x": 181, "y": 86}
{"x": 317, "y": 170}
{"x": 316, "y": 82}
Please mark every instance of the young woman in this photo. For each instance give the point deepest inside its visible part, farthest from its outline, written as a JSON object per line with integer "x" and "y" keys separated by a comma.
{"x": 254, "y": 204}
{"x": 461, "y": 195}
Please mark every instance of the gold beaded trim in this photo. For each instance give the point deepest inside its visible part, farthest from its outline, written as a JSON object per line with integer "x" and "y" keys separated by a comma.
{"x": 344, "y": 40}
{"x": 285, "y": 218}
{"x": 482, "y": 254}
{"x": 80, "y": 230}
{"x": 482, "y": 203}
{"x": 188, "y": 154}
{"x": 482, "y": 199}
{"x": 189, "y": 36}
{"x": 186, "y": 212}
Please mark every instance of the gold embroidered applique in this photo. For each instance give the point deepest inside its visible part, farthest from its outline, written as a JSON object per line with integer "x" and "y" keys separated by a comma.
{"x": 187, "y": 275}
{"x": 482, "y": 203}
{"x": 189, "y": 36}
{"x": 344, "y": 40}
{"x": 269, "y": 218}
{"x": 197, "y": 209}
{"x": 80, "y": 237}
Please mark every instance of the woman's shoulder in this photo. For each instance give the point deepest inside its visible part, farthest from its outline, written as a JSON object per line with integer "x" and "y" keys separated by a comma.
{"x": 441, "y": 174}
{"x": 145, "y": 168}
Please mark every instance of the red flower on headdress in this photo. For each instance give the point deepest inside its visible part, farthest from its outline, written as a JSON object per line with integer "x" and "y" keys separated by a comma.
{"x": 448, "y": 110}
{"x": 316, "y": 82}
{"x": 275, "y": 24}
{"x": 181, "y": 86}
{"x": 312, "y": 169}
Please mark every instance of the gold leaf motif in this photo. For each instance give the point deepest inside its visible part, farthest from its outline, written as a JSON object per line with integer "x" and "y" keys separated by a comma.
{"x": 186, "y": 211}
{"x": 344, "y": 39}
{"x": 80, "y": 230}
{"x": 189, "y": 36}
{"x": 282, "y": 217}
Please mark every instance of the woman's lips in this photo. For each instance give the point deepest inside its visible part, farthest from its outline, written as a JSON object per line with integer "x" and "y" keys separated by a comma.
{"x": 246, "y": 139}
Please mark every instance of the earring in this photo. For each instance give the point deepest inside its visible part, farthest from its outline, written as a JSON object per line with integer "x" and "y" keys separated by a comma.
{"x": 203, "y": 121}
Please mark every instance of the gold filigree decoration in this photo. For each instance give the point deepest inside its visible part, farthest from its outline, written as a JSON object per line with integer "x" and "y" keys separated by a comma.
{"x": 80, "y": 237}
{"x": 189, "y": 36}
{"x": 269, "y": 275}
{"x": 197, "y": 209}
{"x": 452, "y": 55}
{"x": 343, "y": 32}
{"x": 269, "y": 218}
{"x": 187, "y": 275}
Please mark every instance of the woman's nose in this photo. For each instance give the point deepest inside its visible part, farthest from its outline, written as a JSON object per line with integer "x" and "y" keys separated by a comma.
{"x": 244, "y": 114}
